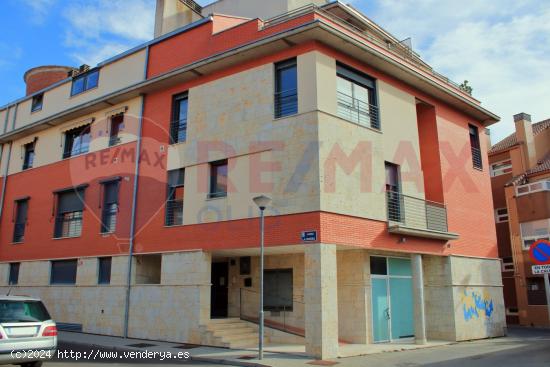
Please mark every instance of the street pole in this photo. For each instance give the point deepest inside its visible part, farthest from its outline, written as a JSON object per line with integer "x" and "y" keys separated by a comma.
{"x": 261, "y": 331}
{"x": 262, "y": 202}
{"x": 547, "y": 286}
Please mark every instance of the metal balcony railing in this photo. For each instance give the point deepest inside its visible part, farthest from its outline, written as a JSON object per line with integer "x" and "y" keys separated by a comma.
{"x": 416, "y": 213}
{"x": 286, "y": 103}
{"x": 68, "y": 225}
{"x": 178, "y": 131}
{"x": 355, "y": 110}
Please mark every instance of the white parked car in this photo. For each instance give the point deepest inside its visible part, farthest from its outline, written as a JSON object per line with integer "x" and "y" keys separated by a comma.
{"x": 28, "y": 334}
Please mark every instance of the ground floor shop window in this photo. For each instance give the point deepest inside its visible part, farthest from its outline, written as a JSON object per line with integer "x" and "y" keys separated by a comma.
{"x": 278, "y": 288}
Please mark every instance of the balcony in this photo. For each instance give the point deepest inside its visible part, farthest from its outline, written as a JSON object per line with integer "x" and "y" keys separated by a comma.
{"x": 355, "y": 110}
{"x": 412, "y": 216}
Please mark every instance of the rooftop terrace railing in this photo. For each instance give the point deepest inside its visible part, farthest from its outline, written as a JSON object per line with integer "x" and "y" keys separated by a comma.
{"x": 399, "y": 49}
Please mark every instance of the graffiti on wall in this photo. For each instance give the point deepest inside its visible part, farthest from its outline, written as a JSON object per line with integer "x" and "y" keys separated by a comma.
{"x": 476, "y": 305}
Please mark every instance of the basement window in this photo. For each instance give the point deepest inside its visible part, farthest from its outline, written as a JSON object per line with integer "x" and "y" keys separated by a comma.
{"x": 63, "y": 272}
{"x": 148, "y": 269}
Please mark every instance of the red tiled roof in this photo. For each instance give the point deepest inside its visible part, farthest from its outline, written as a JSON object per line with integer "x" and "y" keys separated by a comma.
{"x": 542, "y": 166}
{"x": 511, "y": 140}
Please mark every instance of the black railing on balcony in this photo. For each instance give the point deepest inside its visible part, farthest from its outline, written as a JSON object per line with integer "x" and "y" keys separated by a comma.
{"x": 174, "y": 212}
{"x": 286, "y": 103}
{"x": 19, "y": 232}
{"x": 355, "y": 110}
{"x": 416, "y": 213}
{"x": 108, "y": 218}
{"x": 68, "y": 225}
{"x": 476, "y": 158}
{"x": 178, "y": 131}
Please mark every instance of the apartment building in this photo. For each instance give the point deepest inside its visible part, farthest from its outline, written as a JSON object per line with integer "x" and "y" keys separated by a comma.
{"x": 127, "y": 187}
{"x": 520, "y": 178}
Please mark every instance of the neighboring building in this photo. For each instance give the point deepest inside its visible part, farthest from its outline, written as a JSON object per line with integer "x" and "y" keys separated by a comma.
{"x": 380, "y": 228}
{"x": 520, "y": 177}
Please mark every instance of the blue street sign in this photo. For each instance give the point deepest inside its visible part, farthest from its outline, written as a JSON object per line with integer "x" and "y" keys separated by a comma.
{"x": 309, "y": 236}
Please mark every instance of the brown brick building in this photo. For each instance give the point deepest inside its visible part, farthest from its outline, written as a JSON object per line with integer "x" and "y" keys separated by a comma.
{"x": 520, "y": 179}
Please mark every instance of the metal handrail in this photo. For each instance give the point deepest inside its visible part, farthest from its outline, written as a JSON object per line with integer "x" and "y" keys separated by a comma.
{"x": 416, "y": 212}
{"x": 358, "y": 111}
{"x": 272, "y": 323}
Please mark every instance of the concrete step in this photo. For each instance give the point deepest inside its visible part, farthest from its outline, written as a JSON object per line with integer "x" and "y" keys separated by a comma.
{"x": 230, "y": 320}
{"x": 234, "y": 331}
{"x": 241, "y": 343}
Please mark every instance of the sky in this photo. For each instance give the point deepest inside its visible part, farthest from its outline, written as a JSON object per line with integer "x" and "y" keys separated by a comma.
{"x": 501, "y": 47}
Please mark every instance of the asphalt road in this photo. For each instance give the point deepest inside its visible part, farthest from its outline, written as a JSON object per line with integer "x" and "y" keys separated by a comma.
{"x": 523, "y": 347}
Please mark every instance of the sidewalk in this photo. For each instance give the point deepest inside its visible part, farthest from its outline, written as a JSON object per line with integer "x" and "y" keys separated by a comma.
{"x": 283, "y": 356}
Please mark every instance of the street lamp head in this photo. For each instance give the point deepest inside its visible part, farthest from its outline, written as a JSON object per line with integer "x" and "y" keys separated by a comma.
{"x": 262, "y": 201}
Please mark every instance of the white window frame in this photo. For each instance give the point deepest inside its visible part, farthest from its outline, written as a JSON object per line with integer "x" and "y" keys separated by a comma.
{"x": 501, "y": 218}
{"x": 507, "y": 266}
{"x": 500, "y": 171}
{"x": 533, "y": 187}
{"x": 538, "y": 237}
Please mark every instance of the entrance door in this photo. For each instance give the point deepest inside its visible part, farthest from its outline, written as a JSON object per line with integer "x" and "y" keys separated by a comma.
{"x": 392, "y": 298}
{"x": 218, "y": 293}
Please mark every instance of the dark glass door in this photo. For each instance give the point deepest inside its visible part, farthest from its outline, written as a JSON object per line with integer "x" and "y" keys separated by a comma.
{"x": 218, "y": 294}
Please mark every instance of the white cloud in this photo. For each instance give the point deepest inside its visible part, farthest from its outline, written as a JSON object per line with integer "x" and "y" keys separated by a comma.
{"x": 39, "y": 9}
{"x": 501, "y": 47}
{"x": 99, "y": 30}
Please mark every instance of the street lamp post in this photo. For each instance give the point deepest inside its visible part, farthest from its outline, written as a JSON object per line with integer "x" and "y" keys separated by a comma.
{"x": 262, "y": 202}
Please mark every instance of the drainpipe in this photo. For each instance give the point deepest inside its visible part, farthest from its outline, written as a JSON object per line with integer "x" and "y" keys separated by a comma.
{"x": 133, "y": 220}
{"x": 5, "y": 176}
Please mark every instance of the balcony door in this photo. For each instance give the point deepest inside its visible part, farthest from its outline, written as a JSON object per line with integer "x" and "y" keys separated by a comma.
{"x": 393, "y": 189}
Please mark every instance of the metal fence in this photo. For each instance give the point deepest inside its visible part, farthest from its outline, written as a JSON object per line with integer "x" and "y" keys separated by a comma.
{"x": 416, "y": 213}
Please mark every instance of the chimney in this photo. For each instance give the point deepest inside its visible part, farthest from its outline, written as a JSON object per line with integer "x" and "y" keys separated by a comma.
{"x": 41, "y": 77}
{"x": 173, "y": 14}
{"x": 524, "y": 136}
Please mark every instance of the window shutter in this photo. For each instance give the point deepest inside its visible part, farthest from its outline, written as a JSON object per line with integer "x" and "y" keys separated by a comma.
{"x": 71, "y": 201}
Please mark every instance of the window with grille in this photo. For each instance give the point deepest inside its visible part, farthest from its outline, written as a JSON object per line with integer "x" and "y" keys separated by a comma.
{"x": 175, "y": 193}
{"x": 70, "y": 207}
{"x": 357, "y": 97}
{"x": 178, "y": 126}
{"x": 21, "y": 208}
{"x": 77, "y": 141}
{"x": 110, "y": 206}
{"x": 476, "y": 147}
{"x": 63, "y": 272}
{"x": 286, "y": 88}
